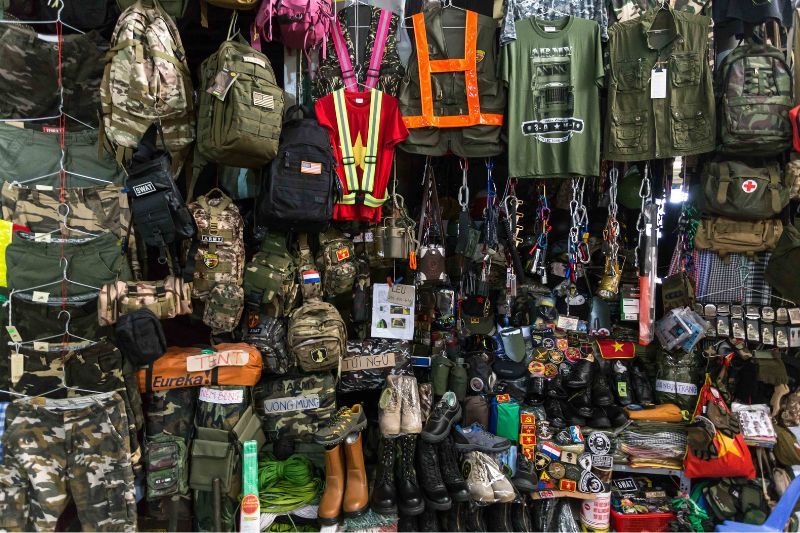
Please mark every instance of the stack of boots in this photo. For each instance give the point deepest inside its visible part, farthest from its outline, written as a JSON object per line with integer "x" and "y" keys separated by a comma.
{"x": 409, "y": 498}
{"x": 384, "y": 496}
{"x": 451, "y": 471}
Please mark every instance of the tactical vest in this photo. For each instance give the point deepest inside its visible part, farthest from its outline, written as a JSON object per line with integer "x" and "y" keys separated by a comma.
{"x": 451, "y": 98}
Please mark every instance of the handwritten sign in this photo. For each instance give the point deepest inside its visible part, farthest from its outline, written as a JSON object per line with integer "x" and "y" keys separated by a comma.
{"x": 209, "y": 361}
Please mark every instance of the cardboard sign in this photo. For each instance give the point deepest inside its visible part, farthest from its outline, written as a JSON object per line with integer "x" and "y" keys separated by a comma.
{"x": 401, "y": 295}
{"x": 209, "y": 361}
{"x": 368, "y": 362}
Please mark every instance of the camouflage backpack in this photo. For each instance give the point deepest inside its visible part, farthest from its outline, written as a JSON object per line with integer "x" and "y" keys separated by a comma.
{"x": 147, "y": 81}
{"x": 224, "y": 307}
{"x": 317, "y": 336}
{"x": 755, "y": 84}
{"x": 268, "y": 335}
{"x": 337, "y": 261}
{"x": 219, "y": 248}
{"x": 240, "y": 111}
{"x": 295, "y": 406}
{"x": 270, "y": 278}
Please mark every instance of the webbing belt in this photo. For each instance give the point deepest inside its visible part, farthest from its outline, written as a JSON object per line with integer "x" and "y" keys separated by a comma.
{"x": 367, "y": 184}
{"x": 378, "y": 46}
{"x": 467, "y": 65}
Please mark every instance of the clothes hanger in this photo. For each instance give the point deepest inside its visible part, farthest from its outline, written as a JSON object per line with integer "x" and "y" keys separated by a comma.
{"x": 446, "y": 4}
{"x": 744, "y": 273}
{"x": 64, "y": 278}
{"x": 63, "y": 224}
{"x": 64, "y": 335}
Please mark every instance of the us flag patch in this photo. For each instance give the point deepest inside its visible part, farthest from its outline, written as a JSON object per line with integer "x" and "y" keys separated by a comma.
{"x": 263, "y": 100}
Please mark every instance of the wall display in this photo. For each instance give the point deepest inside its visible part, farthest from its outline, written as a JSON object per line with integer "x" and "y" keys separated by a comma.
{"x": 227, "y": 298}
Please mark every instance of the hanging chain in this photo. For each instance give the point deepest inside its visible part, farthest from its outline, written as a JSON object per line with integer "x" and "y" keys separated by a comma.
{"x": 578, "y": 248}
{"x": 611, "y": 232}
{"x": 463, "y": 191}
{"x": 491, "y": 207}
{"x": 645, "y": 194}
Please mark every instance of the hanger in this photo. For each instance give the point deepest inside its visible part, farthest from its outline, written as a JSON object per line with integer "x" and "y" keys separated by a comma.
{"x": 446, "y": 4}
{"x": 37, "y": 178}
{"x": 63, "y": 223}
{"x": 744, "y": 273}
{"x": 57, "y": 21}
{"x": 64, "y": 278}
{"x": 64, "y": 335}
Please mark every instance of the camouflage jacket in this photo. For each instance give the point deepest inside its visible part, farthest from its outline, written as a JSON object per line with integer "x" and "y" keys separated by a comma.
{"x": 682, "y": 122}
{"x": 622, "y": 10}
{"x": 522, "y": 9}
{"x": 330, "y": 72}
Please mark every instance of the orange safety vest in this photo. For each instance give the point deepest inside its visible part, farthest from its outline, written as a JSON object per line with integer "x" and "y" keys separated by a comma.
{"x": 467, "y": 65}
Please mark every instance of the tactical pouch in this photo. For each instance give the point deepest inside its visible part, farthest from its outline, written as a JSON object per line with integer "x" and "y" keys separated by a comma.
{"x": 166, "y": 298}
{"x": 781, "y": 272}
{"x": 740, "y": 191}
{"x": 216, "y": 454}
{"x": 165, "y": 459}
{"x": 726, "y": 236}
{"x": 224, "y": 307}
{"x": 270, "y": 276}
{"x": 677, "y": 291}
{"x": 468, "y": 236}
{"x": 431, "y": 266}
{"x": 368, "y": 362}
{"x": 431, "y": 263}
{"x": 140, "y": 337}
{"x": 337, "y": 261}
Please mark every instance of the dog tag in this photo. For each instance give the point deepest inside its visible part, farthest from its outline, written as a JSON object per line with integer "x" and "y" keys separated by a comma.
{"x": 782, "y": 337}
{"x": 737, "y": 327}
{"x": 767, "y": 314}
{"x": 767, "y": 334}
{"x": 752, "y": 331}
{"x": 723, "y": 326}
{"x": 781, "y": 315}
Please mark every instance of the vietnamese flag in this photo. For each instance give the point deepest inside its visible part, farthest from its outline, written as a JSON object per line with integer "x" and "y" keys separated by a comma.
{"x": 614, "y": 349}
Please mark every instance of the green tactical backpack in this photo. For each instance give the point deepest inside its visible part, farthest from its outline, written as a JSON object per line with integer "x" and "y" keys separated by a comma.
{"x": 241, "y": 108}
{"x": 337, "y": 261}
{"x": 270, "y": 278}
{"x": 737, "y": 190}
{"x": 316, "y": 336}
{"x": 755, "y": 84}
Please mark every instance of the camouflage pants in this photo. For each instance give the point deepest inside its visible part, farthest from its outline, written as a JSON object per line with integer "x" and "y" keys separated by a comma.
{"x": 28, "y": 77}
{"x": 93, "y": 262}
{"x": 57, "y": 449}
{"x": 27, "y": 152}
{"x": 100, "y": 368}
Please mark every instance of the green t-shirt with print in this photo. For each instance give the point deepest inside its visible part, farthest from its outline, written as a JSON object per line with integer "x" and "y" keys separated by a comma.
{"x": 554, "y": 71}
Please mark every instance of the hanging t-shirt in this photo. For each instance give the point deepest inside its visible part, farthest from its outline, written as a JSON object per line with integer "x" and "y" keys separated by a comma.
{"x": 752, "y": 12}
{"x": 522, "y": 9}
{"x": 554, "y": 70}
{"x": 391, "y": 131}
{"x": 623, "y": 10}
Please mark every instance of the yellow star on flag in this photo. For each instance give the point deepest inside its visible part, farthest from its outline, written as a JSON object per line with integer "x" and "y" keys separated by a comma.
{"x": 726, "y": 445}
{"x": 617, "y": 346}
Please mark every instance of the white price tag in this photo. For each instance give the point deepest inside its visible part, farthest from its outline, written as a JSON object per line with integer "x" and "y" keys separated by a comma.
{"x": 17, "y": 367}
{"x": 40, "y": 297}
{"x": 14, "y": 334}
{"x": 658, "y": 83}
{"x": 41, "y": 346}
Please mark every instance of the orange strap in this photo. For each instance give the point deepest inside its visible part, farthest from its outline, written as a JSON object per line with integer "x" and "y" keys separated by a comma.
{"x": 467, "y": 65}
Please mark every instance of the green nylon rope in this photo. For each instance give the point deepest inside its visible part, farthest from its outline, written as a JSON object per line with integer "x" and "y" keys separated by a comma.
{"x": 287, "y": 485}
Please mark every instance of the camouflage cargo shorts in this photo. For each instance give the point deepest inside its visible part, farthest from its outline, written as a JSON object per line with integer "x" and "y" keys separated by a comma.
{"x": 57, "y": 449}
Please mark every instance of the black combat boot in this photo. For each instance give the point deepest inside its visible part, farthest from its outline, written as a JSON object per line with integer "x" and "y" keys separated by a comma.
{"x": 581, "y": 401}
{"x": 428, "y": 520}
{"x": 451, "y": 471}
{"x": 555, "y": 388}
{"x": 407, "y": 523}
{"x": 536, "y": 391}
{"x": 616, "y": 415}
{"x": 580, "y": 375}
{"x": 520, "y": 516}
{"x": 475, "y": 519}
{"x": 430, "y": 477}
{"x": 642, "y": 387}
{"x": 601, "y": 393}
{"x": 384, "y": 497}
{"x": 555, "y": 414}
{"x": 599, "y": 419}
{"x": 409, "y": 499}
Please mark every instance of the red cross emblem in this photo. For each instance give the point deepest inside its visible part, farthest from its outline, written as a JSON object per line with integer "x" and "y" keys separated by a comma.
{"x": 749, "y": 186}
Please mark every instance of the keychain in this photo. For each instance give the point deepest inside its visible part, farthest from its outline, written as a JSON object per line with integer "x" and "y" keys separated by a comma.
{"x": 612, "y": 273}
{"x": 538, "y": 254}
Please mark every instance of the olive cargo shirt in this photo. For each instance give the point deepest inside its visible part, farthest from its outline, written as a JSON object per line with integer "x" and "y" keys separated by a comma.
{"x": 639, "y": 127}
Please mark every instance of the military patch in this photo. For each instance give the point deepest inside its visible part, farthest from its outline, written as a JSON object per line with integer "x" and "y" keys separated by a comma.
{"x": 541, "y": 461}
{"x": 567, "y": 485}
{"x": 550, "y": 370}
{"x": 536, "y": 369}
{"x": 556, "y": 470}
{"x": 211, "y": 260}
{"x": 342, "y": 254}
{"x": 480, "y": 55}
{"x": 749, "y": 186}
{"x": 599, "y": 443}
{"x": 318, "y": 355}
{"x": 263, "y": 100}
{"x": 591, "y": 483}
{"x": 215, "y": 239}
{"x": 585, "y": 461}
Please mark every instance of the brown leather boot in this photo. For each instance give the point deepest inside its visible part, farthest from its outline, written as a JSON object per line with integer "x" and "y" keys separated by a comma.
{"x": 356, "y": 493}
{"x": 330, "y": 505}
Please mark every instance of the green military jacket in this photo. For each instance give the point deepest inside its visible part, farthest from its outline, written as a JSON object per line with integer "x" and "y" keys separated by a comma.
{"x": 639, "y": 127}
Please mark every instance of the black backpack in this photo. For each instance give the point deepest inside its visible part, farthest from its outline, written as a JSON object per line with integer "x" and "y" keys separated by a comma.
{"x": 158, "y": 211}
{"x": 301, "y": 185}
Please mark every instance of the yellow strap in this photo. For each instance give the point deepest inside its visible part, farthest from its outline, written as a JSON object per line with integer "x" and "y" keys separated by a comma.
{"x": 348, "y": 159}
{"x": 371, "y": 157}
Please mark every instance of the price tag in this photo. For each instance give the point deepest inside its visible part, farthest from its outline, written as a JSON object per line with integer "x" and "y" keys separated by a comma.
{"x": 40, "y": 296}
{"x": 401, "y": 295}
{"x": 14, "y": 334}
{"x": 658, "y": 83}
{"x": 17, "y": 367}
{"x": 40, "y": 346}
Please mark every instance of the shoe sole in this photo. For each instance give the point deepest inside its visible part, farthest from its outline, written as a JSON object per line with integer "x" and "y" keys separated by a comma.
{"x": 430, "y": 438}
{"x": 438, "y": 506}
{"x": 464, "y": 448}
{"x": 329, "y": 521}
{"x": 413, "y": 511}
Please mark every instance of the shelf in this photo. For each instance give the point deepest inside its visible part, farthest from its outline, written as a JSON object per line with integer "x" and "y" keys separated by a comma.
{"x": 651, "y": 471}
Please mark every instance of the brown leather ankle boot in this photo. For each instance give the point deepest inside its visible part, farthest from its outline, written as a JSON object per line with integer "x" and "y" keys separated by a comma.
{"x": 356, "y": 493}
{"x": 330, "y": 505}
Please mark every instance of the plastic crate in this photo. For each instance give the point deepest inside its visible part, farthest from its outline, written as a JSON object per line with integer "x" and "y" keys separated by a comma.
{"x": 649, "y": 522}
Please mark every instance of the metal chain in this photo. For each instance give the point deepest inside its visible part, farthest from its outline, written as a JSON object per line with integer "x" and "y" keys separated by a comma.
{"x": 645, "y": 194}
{"x": 612, "y": 225}
{"x": 463, "y": 191}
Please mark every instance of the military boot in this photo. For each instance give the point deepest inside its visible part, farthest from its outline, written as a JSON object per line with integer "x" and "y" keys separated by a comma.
{"x": 410, "y": 500}
{"x": 525, "y": 479}
{"x": 498, "y": 517}
{"x": 555, "y": 388}
{"x": 356, "y": 493}
{"x": 520, "y": 516}
{"x": 580, "y": 375}
{"x": 430, "y": 477}
{"x": 616, "y": 415}
{"x": 384, "y": 496}
{"x": 407, "y": 523}
{"x": 622, "y": 383}
{"x": 411, "y": 412}
{"x": 475, "y": 518}
{"x": 555, "y": 413}
{"x": 601, "y": 393}
{"x": 642, "y": 387}
{"x": 390, "y": 404}
{"x": 451, "y": 471}
{"x": 536, "y": 391}
{"x": 330, "y": 505}
{"x": 581, "y": 401}
{"x": 599, "y": 419}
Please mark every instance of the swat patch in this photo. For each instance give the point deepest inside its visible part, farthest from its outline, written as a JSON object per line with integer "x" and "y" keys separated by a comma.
{"x": 144, "y": 188}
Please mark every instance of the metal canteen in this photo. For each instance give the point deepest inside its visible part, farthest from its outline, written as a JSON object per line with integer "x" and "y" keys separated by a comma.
{"x": 609, "y": 284}
{"x": 397, "y": 243}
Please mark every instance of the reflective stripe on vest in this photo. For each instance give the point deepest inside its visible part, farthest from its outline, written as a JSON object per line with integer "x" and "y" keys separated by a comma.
{"x": 371, "y": 149}
{"x": 467, "y": 65}
{"x": 378, "y": 46}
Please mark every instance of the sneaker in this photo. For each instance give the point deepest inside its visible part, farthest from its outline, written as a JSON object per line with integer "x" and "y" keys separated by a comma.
{"x": 480, "y": 488}
{"x": 347, "y": 420}
{"x": 474, "y": 438}
{"x": 446, "y": 412}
